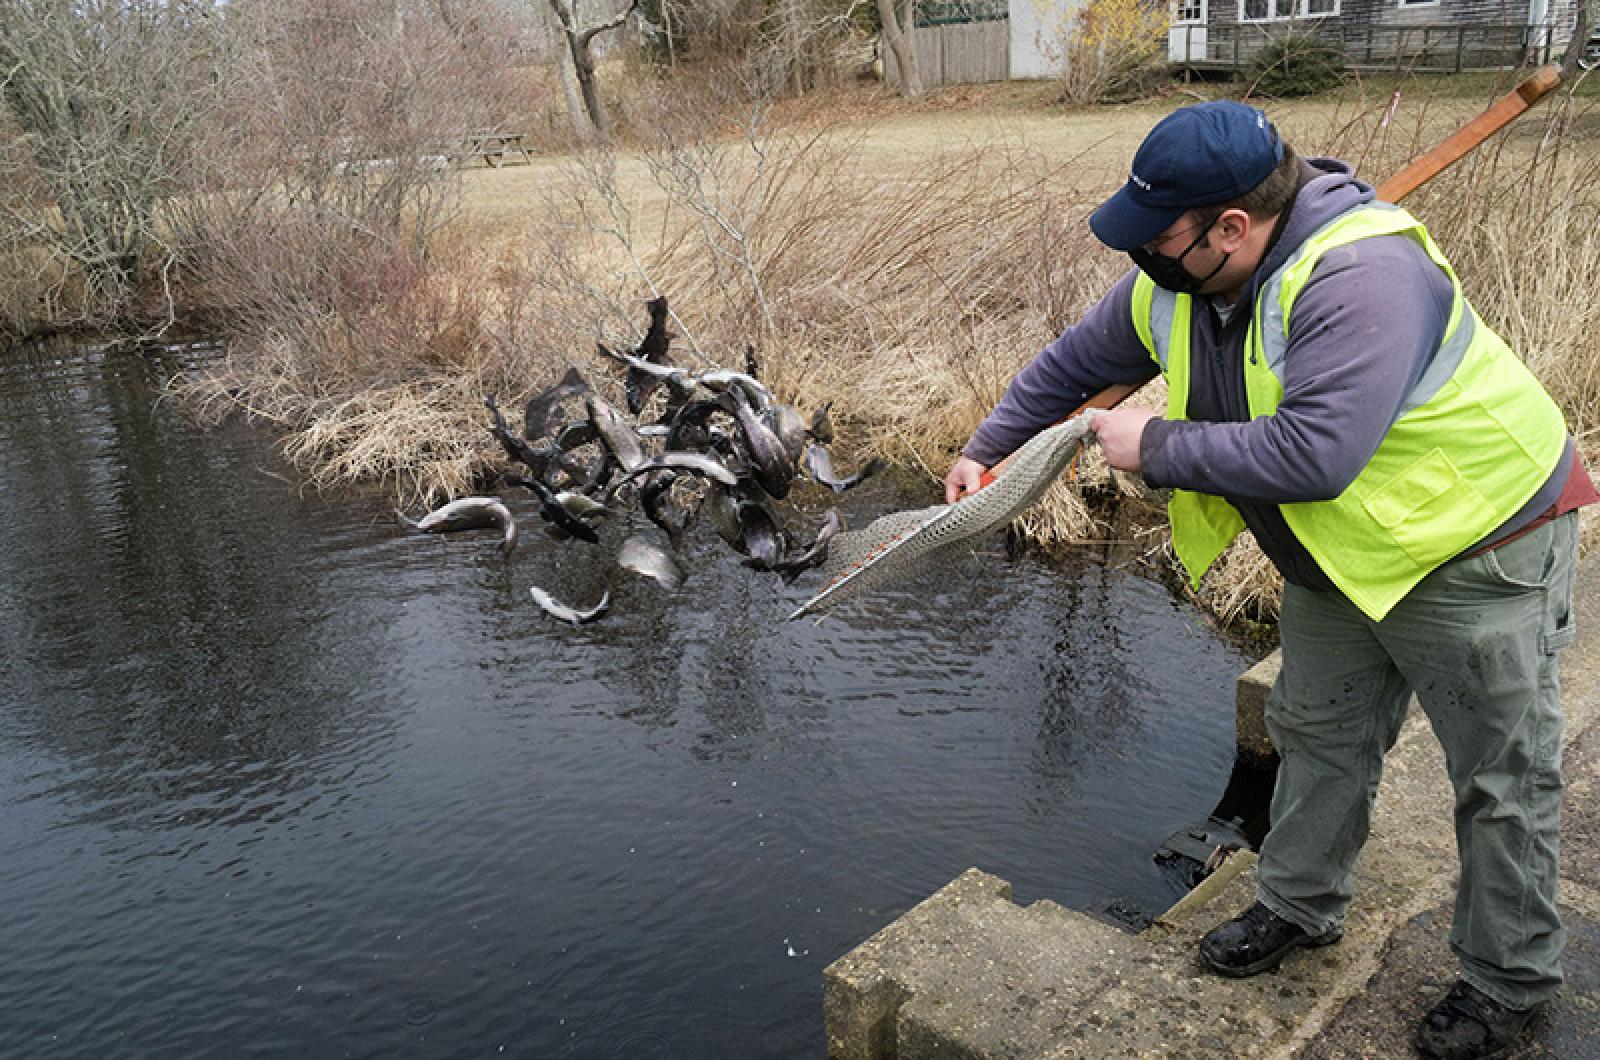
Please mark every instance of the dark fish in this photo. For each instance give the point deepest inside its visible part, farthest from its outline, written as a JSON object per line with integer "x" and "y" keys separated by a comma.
{"x": 537, "y": 415}
{"x": 617, "y": 433}
{"x": 568, "y": 614}
{"x": 770, "y": 463}
{"x": 657, "y": 338}
{"x": 534, "y": 459}
{"x": 655, "y": 500}
{"x": 722, "y": 509}
{"x": 820, "y": 463}
{"x": 688, "y": 429}
{"x": 752, "y": 367}
{"x": 822, "y": 424}
{"x": 792, "y": 564}
{"x": 574, "y": 435}
{"x": 552, "y": 511}
{"x": 470, "y": 513}
{"x": 760, "y": 536}
{"x": 790, "y": 427}
{"x": 641, "y": 557}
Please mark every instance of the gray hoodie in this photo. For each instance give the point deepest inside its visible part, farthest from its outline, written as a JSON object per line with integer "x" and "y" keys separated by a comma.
{"x": 1364, "y": 329}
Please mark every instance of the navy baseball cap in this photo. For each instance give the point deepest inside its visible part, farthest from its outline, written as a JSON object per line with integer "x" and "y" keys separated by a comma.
{"x": 1197, "y": 156}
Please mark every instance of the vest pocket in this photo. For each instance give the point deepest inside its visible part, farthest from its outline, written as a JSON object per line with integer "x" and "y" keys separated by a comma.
{"x": 1425, "y": 507}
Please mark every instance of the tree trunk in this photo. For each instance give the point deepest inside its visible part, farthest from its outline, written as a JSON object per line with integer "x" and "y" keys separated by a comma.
{"x": 579, "y": 115}
{"x": 897, "y": 35}
{"x": 583, "y": 66}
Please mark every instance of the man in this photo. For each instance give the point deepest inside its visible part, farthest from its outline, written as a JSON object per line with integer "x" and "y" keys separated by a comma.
{"x": 1331, "y": 389}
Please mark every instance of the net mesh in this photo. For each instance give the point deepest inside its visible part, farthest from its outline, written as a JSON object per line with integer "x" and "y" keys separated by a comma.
{"x": 896, "y": 544}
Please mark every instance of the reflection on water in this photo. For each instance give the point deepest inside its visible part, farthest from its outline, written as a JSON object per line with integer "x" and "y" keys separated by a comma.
{"x": 281, "y": 778}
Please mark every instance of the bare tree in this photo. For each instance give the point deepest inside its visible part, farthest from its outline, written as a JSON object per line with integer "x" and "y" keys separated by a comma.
{"x": 104, "y": 99}
{"x": 580, "y": 41}
{"x": 897, "y": 30}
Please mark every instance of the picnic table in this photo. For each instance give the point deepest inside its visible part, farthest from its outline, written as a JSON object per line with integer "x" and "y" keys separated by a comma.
{"x": 492, "y": 146}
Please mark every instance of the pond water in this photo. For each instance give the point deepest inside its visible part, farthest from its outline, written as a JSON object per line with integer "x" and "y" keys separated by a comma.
{"x": 279, "y": 778}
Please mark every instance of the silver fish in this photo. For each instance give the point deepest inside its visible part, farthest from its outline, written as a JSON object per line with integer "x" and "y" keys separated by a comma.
{"x": 568, "y": 614}
{"x": 722, "y": 380}
{"x": 616, "y": 432}
{"x": 641, "y": 557}
{"x": 820, "y": 463}
{"x": 471, "y": 513}
{"x": 694, "y": 463}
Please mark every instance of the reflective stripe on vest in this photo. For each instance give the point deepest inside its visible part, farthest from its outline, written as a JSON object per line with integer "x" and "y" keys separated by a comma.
{"x": 1475, "y": 438}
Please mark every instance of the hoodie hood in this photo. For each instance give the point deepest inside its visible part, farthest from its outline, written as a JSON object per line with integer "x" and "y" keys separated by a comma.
{"x": 1330, "y": 188}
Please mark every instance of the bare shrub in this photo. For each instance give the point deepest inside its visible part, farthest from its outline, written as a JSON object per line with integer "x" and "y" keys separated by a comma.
{"x": 103, "y": 102}
{"x": 1114, "y": 50}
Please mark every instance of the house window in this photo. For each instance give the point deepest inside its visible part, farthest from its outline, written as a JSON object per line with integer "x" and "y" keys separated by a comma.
{"x": 1189, "y": 11}
{"x": 1282, "y": 10}
{"x": 1419, "y": 3}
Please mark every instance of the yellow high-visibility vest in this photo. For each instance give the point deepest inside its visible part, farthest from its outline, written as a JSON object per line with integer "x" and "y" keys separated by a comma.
{"x": 1475, "y": 440}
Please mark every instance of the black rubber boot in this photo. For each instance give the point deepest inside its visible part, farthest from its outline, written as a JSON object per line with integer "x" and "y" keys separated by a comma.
{"x": 1470, "y": 1025}
{"x": 1256, "y": 941}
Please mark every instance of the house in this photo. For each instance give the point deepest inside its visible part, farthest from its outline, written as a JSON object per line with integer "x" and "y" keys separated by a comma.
{"x": 1424, "y": 35}
{"x": 963, "y": 41}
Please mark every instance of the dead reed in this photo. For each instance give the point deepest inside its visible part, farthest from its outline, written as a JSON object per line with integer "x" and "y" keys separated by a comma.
{"x": 907, "y": 295}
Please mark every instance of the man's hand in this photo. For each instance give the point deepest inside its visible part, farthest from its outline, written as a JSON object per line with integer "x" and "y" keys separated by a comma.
{"x": 1119, "y": 431}
{"x": 965, "y": 477}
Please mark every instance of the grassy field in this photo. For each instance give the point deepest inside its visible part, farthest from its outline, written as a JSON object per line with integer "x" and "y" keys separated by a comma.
{"x": 901, "y": 260}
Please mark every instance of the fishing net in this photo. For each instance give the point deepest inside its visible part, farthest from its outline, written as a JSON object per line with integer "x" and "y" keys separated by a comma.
{"x": 898, "y": 543}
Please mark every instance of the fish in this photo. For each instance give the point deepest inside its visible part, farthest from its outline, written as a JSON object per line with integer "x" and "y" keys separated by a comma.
{"x": 821, "y": 427}
{"x": 820, "y": 463}
{"x": 582, "y": 506}
{"x": 723, "y": 512}
{"x": 694, "y": 463}
{"x": 655, "y": 499}
{"x": 688, "y": 430}
{"x": 618, "y": 435}
{"x": 760, "y": 535}
{"x": 657, "y": 338}
{"x": 552, "y": 511}
{"x": 644, "y": 376}
{"x": 722, "y": 380}
{"x": 791, "y": 565}
{"x": 470, "y": 513}
{"x": 535, "y": 460}
{"x": 567, "y": 614}
{"x": 786, "y": 422}
{"x": 537, "y": 414}
{"x": 641, "y": 557}
{"x": 770, "y": 463}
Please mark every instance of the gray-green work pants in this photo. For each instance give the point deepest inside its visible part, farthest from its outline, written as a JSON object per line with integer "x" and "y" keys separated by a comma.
{"x": 1476, "y": 641}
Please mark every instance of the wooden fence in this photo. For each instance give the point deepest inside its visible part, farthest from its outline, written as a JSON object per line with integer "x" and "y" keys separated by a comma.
{"x": 957, "y": 53}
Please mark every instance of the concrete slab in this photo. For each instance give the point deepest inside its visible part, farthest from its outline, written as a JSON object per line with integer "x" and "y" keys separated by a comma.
{"x": 969, "y": 975}
{"x": 1418, "y": 969}
{"x": 1250, "y": 708}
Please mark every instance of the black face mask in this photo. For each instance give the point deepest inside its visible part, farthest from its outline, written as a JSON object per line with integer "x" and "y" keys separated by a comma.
{"x": 1168, "y": 272}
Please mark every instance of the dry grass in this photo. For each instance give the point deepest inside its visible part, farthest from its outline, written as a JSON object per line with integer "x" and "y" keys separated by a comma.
{"x": 903, "y": 269}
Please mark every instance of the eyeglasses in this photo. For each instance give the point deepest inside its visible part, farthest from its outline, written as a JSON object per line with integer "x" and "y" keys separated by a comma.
{"x": 1153, "y": 247}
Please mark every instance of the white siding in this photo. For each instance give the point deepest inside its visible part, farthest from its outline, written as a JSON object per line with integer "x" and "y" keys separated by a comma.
{"x": 1037, "y": 27}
